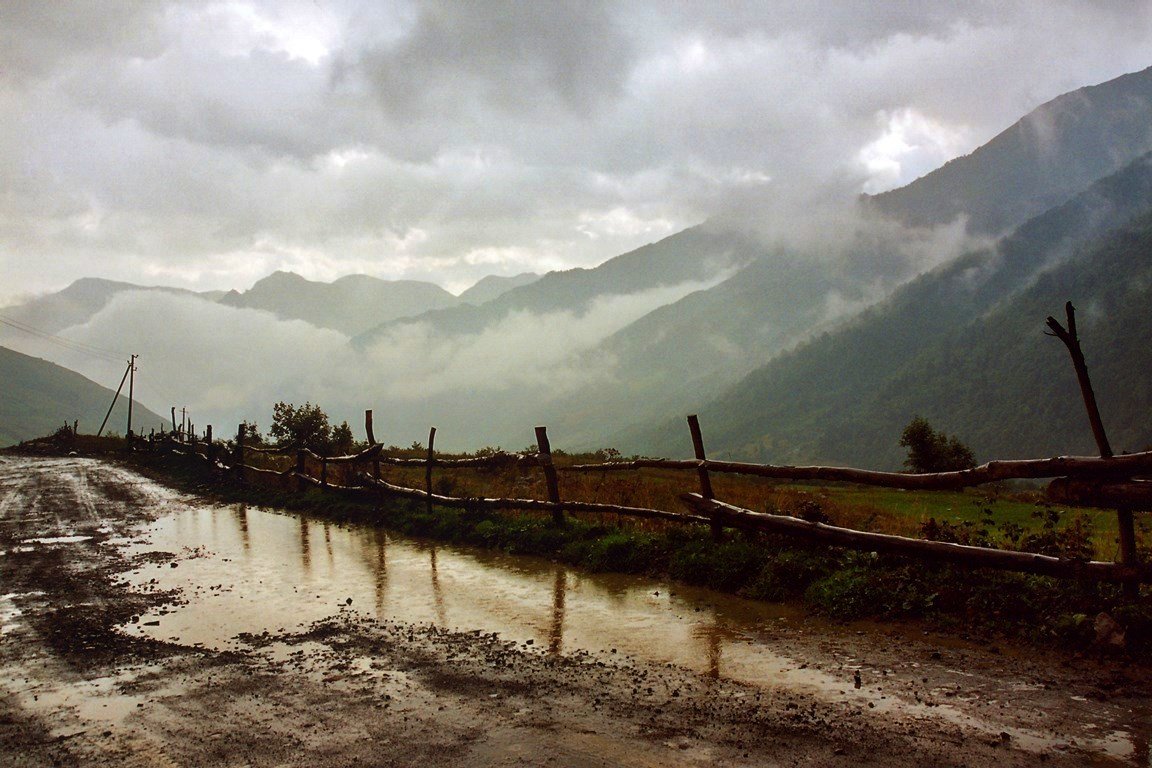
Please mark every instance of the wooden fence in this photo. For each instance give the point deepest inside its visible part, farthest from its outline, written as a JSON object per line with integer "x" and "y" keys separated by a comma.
{"x": 1120, "y": 482}
{"x": 1114, "y": 480}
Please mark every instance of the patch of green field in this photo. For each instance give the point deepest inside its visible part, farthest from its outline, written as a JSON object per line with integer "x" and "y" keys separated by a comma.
{"x": 1025, "y": 509}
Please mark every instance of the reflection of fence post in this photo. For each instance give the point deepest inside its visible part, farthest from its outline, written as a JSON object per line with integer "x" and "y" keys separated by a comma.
{"x": 428, "y": 468}
{"x": 301, "y": 469}
{"x": 545, "y": 455}
{"x": 702, "y": 472}
{"x": 239, "y": 452}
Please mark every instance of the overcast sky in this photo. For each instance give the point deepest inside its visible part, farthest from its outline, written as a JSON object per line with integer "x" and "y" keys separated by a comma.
{"x": 206, "y": 144}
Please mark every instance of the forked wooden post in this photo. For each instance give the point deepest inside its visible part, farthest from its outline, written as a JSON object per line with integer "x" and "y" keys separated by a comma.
{"x": 1125, "y": 524}
{"x": 544, "y": 449}
{"x": 368, "y": 427}
{"x": 702, "y": 472}
{"x": 428, "y": 467}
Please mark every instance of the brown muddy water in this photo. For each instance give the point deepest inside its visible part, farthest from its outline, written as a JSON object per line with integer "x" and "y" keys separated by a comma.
{"x": 249, "y": 570}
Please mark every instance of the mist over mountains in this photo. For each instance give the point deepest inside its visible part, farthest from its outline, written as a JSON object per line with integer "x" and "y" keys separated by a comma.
{"x": 795, "y": 341}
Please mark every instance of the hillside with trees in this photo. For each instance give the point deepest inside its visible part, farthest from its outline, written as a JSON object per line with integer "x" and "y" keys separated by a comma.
{"x": 976, "y": 363}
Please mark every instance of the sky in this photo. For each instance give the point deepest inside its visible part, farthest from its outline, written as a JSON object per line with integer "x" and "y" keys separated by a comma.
{"x": 206, "y": 144}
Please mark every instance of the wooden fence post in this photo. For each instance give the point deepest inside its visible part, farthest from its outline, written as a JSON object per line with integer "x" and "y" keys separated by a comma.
{"x": 428, "y": 468}
{"x": 368, "y": 427}
{"x": 240, "y": 430}
{"x": 301, "y": 470}
{"x": 702, "y": 472}
{"x": 211, "y": 446}
{"x": 323, "y": 471}
{"x": 550, "y": 480}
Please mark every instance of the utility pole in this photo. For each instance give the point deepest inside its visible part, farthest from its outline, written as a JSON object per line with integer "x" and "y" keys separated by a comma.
{"x": 131, "y": 382}
{"x": 113, "y": 405}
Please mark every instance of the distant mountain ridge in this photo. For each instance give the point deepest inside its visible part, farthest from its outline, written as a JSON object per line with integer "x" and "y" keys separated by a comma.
{"x": 1045, "y": 158}
{"x": 79, "y": 301}
{"x": 696, "y": 254}
{"x": 350, "y": 304}
{"x": 494, "y": 286}
{"x": 39, "y": 397}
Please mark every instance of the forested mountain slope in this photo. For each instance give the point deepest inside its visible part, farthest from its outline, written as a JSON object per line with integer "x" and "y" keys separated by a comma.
{"x": 963, "y": 347}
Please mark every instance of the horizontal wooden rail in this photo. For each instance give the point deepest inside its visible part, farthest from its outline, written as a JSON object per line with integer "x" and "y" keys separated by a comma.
{"x": 271, "y": 449}
{"x": 495, "y": 460}
{"x": 530, "y": 504}
{"x": 994, "y": 471}
{"x": 982, "y": 557}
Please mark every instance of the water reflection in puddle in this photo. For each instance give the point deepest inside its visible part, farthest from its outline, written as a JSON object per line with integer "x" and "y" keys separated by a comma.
{"x": 244, "y": 570}
{"x": 249, "y": 570}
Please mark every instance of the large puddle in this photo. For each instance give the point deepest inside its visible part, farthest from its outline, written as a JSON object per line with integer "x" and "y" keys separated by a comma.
{"x": 247, "y": 570}
{"x": 251, "y": 570}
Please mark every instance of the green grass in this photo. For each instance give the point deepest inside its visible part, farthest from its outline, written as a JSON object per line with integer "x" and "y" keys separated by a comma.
{"x": 1024, "y": 509}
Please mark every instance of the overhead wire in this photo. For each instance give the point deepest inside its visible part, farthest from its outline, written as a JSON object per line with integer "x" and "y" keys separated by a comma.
{"x": 91, "y": 350}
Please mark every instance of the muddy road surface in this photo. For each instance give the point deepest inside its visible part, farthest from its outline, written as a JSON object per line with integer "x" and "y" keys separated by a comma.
{"x": 142, "y": 627}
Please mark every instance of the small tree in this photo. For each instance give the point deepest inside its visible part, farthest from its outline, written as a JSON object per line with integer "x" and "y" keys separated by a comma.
{"x": 932, "y": 451}
{"x": 304, "y": 427}
{"x": 252, "y": 433}
{"x": 342, "y": 440}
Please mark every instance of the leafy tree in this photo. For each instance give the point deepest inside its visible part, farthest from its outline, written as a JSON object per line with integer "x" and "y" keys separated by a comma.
{"x": 932, "y": 451}
{"x": 252, "y": 433}
{"x": 305, "y": 426}
{"x": 342, "y": 440}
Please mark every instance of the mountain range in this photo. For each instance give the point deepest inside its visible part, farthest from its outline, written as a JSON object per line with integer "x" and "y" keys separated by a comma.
{"x": 788, "y": 354}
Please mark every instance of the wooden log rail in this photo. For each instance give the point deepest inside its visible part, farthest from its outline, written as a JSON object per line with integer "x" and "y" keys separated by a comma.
{"x": 289, "y": 448}
{"x": 459, "y": 502}
{"x": 940, "y": 551}
{"x": 1084, "y": 467}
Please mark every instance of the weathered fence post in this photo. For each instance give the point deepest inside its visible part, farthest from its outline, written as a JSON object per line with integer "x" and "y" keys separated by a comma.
{"x": 702, "y": 472}
{"x": 301, "y": 469}
{"x": 368, "y": 427}
{"x": 1124, "y": 523}
{"x": 550, "y": 480}
{"x": 240, "y": 430}
{"x": 428, "y": 468}
{"x": 323, "y": 471}
{"x": 211, "y": 446}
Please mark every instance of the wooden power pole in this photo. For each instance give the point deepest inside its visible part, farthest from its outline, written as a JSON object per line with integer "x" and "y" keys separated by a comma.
{"x": 131, "y": 383}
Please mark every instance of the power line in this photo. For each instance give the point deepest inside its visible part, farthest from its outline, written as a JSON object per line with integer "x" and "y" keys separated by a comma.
{"x": 107, "y": 355}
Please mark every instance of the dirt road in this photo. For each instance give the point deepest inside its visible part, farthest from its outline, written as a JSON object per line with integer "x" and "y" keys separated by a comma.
{"x": 77, "y": 688}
